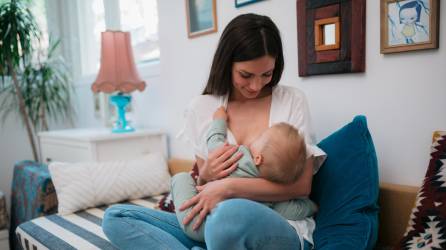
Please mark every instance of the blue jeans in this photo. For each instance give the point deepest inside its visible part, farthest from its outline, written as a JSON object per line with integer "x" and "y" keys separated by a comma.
{"x": 233, "y": 224}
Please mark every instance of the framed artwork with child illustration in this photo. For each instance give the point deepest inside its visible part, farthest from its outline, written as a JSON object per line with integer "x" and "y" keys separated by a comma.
{"x": 408, "y": 25}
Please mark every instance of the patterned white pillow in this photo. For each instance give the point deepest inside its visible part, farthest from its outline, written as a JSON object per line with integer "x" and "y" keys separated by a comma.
{"x": 89, "y": 184}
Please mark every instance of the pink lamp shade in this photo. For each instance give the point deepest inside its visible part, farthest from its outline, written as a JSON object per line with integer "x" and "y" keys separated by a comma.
{"x": 117, "y": 71}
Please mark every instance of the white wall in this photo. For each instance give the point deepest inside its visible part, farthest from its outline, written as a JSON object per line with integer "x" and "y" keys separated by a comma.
{"x": 402, "y": 95}
{"x": 13, "y": 147}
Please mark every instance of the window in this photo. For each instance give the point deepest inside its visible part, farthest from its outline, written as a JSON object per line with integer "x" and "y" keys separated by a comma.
{"x": 139, "y": 17}
{"x": 81, "y": 23}
{"x": 91, "y": 23}
{"x": 38, "y": 9}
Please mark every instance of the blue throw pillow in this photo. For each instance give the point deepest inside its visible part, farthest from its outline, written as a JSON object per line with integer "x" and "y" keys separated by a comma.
{"x": 346, "y": 189}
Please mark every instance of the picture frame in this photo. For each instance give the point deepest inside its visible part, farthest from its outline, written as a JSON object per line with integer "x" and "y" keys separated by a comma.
{"x": 331, "y": 36}
{"x": 241, "y": 3}
{"x": 201, "y": 17}
{"x": 408, "y": 25}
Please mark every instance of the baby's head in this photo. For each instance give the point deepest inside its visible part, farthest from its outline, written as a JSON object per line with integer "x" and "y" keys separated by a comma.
{"x": 279, "y": 153}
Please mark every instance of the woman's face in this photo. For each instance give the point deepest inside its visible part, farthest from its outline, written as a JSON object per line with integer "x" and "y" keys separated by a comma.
{"x": 249, "y": 77}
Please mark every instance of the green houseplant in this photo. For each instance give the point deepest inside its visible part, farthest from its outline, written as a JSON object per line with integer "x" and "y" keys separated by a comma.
{"x": 37, "y": 90}
{"x": 47, "y": 89}
{"x": 18, "y": 29}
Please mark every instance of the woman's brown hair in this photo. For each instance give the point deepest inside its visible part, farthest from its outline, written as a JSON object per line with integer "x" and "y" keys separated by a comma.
{"x": 246, "y": 37}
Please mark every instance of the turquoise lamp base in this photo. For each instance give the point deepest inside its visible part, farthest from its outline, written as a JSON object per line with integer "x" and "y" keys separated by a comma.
{"x": 123, "y": 130}
{"x": 121, "y": 101}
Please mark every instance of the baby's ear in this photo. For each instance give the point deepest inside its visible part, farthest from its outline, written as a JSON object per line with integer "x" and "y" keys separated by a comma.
{"x": 258, "y": 159}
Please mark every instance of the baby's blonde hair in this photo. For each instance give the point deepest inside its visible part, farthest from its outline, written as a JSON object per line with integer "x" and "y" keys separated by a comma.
{"x": 284, "y": 154}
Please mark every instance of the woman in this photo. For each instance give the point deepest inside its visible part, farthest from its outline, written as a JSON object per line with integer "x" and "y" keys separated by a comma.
{"x": 244, "y": 78}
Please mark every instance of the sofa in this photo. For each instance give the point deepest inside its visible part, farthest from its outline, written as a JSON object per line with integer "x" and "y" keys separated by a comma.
{"x": 395, "y": 202}
{"x": 355, "y": 211}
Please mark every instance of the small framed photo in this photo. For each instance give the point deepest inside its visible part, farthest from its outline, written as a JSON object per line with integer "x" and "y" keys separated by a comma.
{"x": 201, "y": 17}
{"x": 240, "y": 3}
{"x": 408, "y": 25}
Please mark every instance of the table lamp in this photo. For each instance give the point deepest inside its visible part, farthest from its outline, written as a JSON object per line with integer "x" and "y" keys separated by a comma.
{"x": 117, "y": 74}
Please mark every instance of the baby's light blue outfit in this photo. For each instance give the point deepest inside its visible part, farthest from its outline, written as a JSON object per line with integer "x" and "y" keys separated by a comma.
{"x": 183, "y": 186}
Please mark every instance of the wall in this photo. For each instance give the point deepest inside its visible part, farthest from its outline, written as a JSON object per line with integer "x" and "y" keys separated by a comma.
{"x": 402, "y": 94}
{"x": 13, "y": 147}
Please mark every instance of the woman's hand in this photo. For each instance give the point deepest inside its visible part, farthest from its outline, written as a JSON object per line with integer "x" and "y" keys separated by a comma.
{"x": 219, "y": 163}
{"x": 206, "y": 200}
{"x": 220, "y": 113}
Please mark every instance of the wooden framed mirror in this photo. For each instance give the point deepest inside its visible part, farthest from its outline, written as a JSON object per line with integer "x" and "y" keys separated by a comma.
{"x": 327, "y": 34}
{"x": 331, "y": 36}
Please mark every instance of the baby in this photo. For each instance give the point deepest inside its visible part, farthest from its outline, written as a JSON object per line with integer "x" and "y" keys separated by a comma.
{"x": 278, "y": 155}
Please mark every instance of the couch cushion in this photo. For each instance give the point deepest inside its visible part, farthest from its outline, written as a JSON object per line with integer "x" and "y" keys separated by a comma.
{"x": 427, "y": 224}
{"x": 83, "y": 185}
{"x": 346, "y": 189}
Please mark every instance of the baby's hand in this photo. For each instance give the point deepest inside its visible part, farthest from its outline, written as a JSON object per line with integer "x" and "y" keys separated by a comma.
{"x": 220, "y": 113}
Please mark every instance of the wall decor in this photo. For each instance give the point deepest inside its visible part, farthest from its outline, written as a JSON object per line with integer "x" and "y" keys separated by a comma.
{"x": 331, "y": 36}
{"x": 201, "y": 17}
{"x": 240, "y": 3}
{"x": 409, "y": 25}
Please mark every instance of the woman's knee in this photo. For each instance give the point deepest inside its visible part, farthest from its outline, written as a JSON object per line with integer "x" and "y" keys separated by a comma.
{"x": 233, "y": 210}
{"x": 112, "y": 220}
{"x": 117, "y": 215}
{"x": 110, "y": 223}
{"x": 230, "y": 219}
{"x": 114, "y": 211}
{"x": 241, "y": 223}
{"x": 118, "y": 219}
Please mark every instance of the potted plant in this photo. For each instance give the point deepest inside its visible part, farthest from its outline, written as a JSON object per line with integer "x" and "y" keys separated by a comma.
{"x": 18, "y": 29}
{"x": 37, "y": 91}
{"x": 47, "y": 90}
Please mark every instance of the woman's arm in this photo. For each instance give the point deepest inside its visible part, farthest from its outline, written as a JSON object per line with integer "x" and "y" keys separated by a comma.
{"x": 263, "y": 190}
{"x": 251, "y": 188}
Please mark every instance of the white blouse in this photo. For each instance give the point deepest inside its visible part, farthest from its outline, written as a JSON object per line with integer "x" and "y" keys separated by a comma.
{"x": 288, "y": 105}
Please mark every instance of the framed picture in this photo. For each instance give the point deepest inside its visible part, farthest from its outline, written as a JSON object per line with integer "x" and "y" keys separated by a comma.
{"x": 201, "y": 17}
{"x": 240, "y": 3}
{"x": 409, "y": 25}
{"x": 331, "y": 36}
